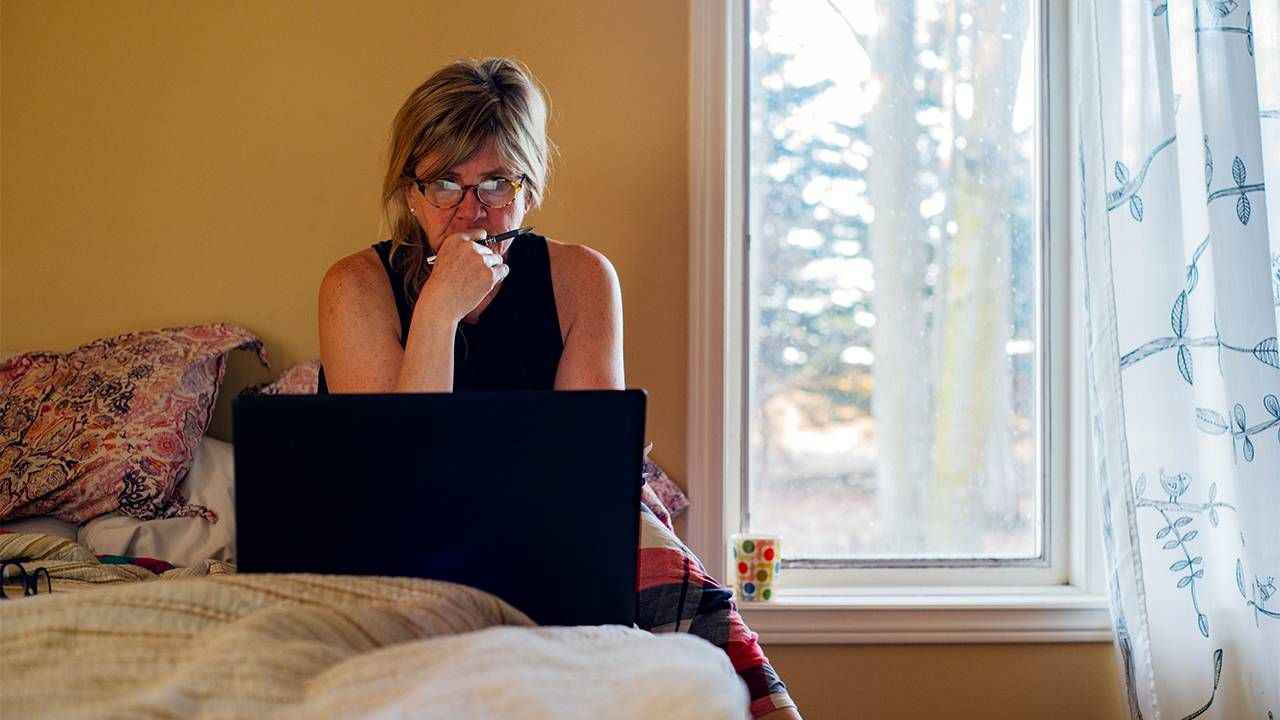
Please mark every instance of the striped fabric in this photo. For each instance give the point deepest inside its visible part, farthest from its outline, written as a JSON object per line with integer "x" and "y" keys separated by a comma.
{"x": 675, "y": 594}
{"x": 104, "y": 644}
{"x": 73, "y": 567}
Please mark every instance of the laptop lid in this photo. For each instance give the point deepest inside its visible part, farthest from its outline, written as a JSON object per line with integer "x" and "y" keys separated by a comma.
{"x": 531, "y": 496}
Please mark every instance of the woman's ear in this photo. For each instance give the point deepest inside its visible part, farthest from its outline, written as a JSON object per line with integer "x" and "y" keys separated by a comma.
{"x": 408, "y": 199}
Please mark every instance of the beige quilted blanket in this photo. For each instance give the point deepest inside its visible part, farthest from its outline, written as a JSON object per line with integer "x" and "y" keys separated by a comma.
{"x": 204, "y": 642}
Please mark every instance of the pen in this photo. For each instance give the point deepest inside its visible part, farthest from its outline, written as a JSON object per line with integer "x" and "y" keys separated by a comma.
{"x": 495, "y": 239}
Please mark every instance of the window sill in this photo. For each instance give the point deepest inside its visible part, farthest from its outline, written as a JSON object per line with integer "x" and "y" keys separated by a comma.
{"x": 854, "y": 616}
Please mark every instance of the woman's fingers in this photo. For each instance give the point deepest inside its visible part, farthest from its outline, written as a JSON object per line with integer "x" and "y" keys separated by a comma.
{"x": 472, "y": 236}
{"x": 462, "y": 239}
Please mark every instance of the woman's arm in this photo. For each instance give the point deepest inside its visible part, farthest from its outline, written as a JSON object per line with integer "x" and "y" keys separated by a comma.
{"x": 360, "y": 335}
{"x": 589, "y": 302}
{"x": 360, "y": 326}
{"x": 427, "y": 362}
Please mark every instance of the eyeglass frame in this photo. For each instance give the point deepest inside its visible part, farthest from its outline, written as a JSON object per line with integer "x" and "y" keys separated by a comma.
{"x": 30, "y": 581}
{"x": 422, "y": 190}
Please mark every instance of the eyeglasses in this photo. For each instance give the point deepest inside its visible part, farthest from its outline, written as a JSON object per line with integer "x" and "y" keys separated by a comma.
{"x": 30, "y": 582}
{"x": 494, "y": 192}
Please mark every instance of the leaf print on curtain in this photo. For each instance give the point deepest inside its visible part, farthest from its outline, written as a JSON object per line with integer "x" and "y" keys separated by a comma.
{"x": 1178, "y": 140}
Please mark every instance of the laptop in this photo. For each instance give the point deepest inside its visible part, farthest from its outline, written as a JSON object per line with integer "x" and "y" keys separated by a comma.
{"x": 533, "y": 496}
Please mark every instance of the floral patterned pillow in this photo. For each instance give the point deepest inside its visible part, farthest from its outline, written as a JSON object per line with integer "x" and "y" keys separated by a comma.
{"x": 301, "y": 379}
{"x": 660, "y": 493}
{"x": 111, "y": 425}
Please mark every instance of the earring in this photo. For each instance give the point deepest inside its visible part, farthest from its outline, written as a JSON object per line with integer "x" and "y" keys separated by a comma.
{"x": 412, "y": 211}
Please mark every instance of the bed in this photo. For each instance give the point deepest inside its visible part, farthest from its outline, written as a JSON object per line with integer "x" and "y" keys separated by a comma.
{"x": 143, "y": 615}
{"x": 116, "y": 640}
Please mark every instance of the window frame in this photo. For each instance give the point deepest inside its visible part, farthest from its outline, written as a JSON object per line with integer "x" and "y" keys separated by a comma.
{"x": 1060, "y": 599}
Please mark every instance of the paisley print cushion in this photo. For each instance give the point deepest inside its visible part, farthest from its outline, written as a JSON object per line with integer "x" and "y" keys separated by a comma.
{"x": 111, "y": 425}
{"x": 301, "y": 379}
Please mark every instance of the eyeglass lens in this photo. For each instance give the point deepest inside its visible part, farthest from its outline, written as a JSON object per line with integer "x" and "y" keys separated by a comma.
{"x": 30, "y": 582}
{"x": 493, "y": 192}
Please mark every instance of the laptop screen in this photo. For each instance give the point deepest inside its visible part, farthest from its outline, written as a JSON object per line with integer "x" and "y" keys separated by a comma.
{"x": 531, "y": 496}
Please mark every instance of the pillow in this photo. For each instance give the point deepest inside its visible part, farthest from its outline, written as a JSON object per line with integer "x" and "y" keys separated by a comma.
{"x": 668, "y": 492}
{"x": 183, "y": 541}
{"x": 301, "y": 379}
{"x": 43, "y": 525}
{"x": 112, "y": 424}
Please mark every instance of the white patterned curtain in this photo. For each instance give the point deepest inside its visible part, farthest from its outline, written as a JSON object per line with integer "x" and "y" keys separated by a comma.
{"x": 1178, "y": 126}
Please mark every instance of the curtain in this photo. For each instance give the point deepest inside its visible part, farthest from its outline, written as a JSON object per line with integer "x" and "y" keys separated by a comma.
{"x": 1177, "y": 139}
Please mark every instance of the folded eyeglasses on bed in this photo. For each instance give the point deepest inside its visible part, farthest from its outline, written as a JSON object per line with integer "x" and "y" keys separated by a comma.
{"x": 30, "y": 581}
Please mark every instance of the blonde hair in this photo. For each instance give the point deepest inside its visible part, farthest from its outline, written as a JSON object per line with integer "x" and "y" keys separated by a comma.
{"x": 449, "y": 118}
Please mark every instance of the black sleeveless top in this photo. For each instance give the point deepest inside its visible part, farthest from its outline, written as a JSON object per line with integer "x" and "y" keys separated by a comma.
{"x": 515, "y": 344}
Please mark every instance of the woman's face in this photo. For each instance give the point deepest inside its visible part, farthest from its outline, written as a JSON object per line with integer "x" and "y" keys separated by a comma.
{"x": 470, "y": 213}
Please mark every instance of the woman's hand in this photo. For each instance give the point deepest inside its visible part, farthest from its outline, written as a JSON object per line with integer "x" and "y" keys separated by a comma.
{"x": 465, "y": 272}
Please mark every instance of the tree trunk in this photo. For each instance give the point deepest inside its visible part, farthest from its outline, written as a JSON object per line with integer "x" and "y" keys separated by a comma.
{"x": 901, "y": 396}
{"x": 972, "y": 462}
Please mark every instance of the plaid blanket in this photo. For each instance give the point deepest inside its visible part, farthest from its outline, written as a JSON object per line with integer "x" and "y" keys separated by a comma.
{"x": 675, "y": 594}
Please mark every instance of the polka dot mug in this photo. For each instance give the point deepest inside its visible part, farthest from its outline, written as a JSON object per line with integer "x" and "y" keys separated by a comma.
{"x": 754, "y": 563}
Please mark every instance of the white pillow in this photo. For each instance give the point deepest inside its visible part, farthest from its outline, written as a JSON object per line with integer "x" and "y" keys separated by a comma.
{"x": 41, "y": 525}
{"x": 183, "y": 541}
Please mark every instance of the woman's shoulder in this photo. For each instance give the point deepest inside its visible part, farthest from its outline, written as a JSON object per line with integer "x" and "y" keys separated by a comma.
{"x": 359, "y": 268}
{"x": 579, "y": 265}
{"x": 358, "y": 277}
{"x": 584, "y": 283}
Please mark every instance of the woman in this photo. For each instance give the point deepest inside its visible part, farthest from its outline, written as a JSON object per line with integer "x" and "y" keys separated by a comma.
{"x": 437, "y": 309}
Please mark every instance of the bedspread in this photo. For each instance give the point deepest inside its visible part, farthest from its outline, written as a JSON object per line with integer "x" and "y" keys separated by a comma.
{"x": 674, "y": 594}
{"x": 202, "y": 641}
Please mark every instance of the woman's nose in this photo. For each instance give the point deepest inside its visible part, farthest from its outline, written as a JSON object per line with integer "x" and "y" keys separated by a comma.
{"x": 471, "y": 208}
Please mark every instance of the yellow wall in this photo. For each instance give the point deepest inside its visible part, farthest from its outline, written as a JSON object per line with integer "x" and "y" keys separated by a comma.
{"x": 172, "y": 163}
{"x": 168, "y": 163}
{"x": 1075, "y": 681}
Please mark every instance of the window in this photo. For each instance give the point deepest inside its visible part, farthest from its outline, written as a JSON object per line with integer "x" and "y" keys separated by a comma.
{"x": 894, "y": 294}
{"x": 879, "y": 329}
